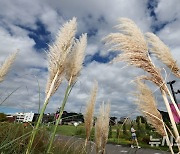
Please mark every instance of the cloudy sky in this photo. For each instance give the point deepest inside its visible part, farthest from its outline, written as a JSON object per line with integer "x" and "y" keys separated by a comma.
{"x": 31, "y": 25}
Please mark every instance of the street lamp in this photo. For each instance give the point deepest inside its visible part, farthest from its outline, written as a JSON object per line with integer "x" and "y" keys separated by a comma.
{"x": 178, "y": 91}
{"x": 172, "y": 90}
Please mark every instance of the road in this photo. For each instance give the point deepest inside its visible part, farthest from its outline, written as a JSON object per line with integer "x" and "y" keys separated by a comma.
{"x": 110, "y": 148}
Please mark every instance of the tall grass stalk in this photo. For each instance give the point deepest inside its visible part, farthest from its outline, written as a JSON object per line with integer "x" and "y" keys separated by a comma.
{"x": 67, "y": 92}
{"x": 9, "y": 95}
{"x": 57, "y": 56}
{"x": 176, "y": 133}
{"x": 162, "y": 52}
{"x": 147, "y": 104}
{"x": 131, "y": 41}
{"x": 11, "y": 142}
{"x": 164, "y": 127}
{"x": 88, "y": 117}
{"x": 73, "y": 67}
{"x": 164, "y": 92}
{"x": 39, "y": 91}
{"x": 102, "y": 128}
{"x": 4, "y": 69}
{"x": 36, "y": 128}
{"x": 41, "y": 116}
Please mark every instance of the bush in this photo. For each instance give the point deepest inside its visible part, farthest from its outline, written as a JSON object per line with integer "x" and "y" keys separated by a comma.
{"x": 15, "y": 137}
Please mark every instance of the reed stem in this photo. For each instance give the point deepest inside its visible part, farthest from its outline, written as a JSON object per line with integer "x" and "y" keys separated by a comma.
{"x": 176, "y": 133}
{"x": 68, "y": 90}
{"x": 168, "y": 141}
{"x": 36, "y": 128}
{"x": 85, "y": 144}
{"x": 41, "y": 115}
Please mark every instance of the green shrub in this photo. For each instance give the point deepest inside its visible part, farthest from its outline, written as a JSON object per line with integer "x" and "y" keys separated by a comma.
{"x": 14, "y": 139}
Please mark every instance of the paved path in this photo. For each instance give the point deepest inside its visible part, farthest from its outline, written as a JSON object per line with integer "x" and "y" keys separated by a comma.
{"x": 116, "y": 149}
{"x": 111, "y": 148}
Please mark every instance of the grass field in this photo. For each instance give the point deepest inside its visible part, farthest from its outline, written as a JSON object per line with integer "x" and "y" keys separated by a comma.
{"x": 67, "y": 129}
{"x": 70, "y": 130}
{"x": 12, "y": 131}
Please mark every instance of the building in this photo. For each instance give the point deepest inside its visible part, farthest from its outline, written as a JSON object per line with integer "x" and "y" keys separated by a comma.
{"x": 70, "y": 118}
{"x": 28, "y": 117}
{"x": 24, "y": 117}
{"x": 11, "y": 118}
{"x": 20, "y": 117}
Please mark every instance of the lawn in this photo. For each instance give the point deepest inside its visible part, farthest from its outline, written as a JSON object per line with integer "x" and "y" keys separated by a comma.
{"x": 70, "y": 130}
{"x": 67, "y": 130}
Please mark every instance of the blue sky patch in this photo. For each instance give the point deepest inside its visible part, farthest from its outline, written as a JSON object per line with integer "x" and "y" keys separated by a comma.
{"x": 151, "y": 5}
{"x": 40, "y": 35}
{"x": 157, "y": 27}
{"x": 92, "y": 31}
{"x": 101, "y": 19}
{"x": 99, "y": 58}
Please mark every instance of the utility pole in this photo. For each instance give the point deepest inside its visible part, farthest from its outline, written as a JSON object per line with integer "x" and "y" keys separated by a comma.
{"x": 172, "y": 90}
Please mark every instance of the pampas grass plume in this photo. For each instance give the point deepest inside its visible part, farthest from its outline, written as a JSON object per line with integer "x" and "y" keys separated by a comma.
{"x": 102, "y": 128}
{"x": 162, "y": 52}
{"x": 58, "y": 52}
{"x": 75, "y": 59}
{"x": 57, "y": 56}
{"x": 7, "y": 65}
{"x": 147, "y": 104}
{"x": 130, "y": 40}
{"x": 89, "y": 114}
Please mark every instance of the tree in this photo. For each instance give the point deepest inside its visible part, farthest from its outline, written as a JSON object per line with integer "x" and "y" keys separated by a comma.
{"x": 140, "y": 119}
{"x": 3, "y": 117}
{"x": 112, "y": 121}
